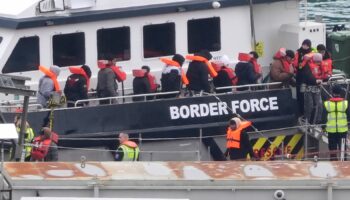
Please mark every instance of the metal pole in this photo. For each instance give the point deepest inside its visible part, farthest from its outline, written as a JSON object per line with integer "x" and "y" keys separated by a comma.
{"x": 123, "y": 93}
{"x": 329, "y": 191}
{"x": 306, "y": 146}
{"x": 252, "y": 26}
{"x": 22, "y": 130}
{"x": 200, "y": 143}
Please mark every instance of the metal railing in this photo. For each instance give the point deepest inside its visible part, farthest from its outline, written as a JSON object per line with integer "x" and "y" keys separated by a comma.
{"x": 250, "y": 87}
{"x": 13, "y": 108}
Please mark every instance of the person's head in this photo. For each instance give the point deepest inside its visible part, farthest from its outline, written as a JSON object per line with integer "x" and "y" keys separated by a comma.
{"x": 179, "y": 59}
{"x": 146, "y": 68}
{"x": 234, "y": 123}
{"x": 306, "y": 44}
{"x": 205, "y": 53}
{"x": 111, "y": 61}
{"x": 55, "y": 69}
{"x": 336, "y": 90}
{"x": 87, "y": 70}
{"x": 123, "y": 137}
{"x": 317, "y": 58}
{"x": 254, "y": 54}
{"x": 321, "y": 49}
{"x": 290, "y": 56}
{"x": 223, "y": 61}
{"x": 46, "y": 132}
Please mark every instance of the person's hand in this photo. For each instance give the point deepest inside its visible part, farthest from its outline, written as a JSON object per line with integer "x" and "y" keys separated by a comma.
{"x": 318, "y": 81}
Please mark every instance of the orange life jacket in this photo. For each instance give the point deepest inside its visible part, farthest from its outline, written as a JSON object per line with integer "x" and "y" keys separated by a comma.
{"x": 327, "y": 67}
{"x": 231, "y": 74}
{"x": 80, "y": 71}
{"x": 152, "y": 82}
{"x": 138, "y": 73}
{"x": 212, "y": 71}
{"x": 120, "y": 75}
{"x": 130, "y": 144}
{"x": 170, "y": 62}
{"x": 52, "y": 76}
{"x": 257, "y": 66}
{"x": 245, "y": 57}
{"x": 233, "y": 137}
{"x": 40, "y": 148}
{"x": 280, "y": 55}
{"x": 316, "y": 70}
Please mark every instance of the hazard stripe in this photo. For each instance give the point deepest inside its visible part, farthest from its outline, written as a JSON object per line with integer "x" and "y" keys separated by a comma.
{"x": 298, "y": 146}
{"x": 260, "y": 143}
{"x": 300, "y": 154}
{"x": 275, "y": 144}
{"x": 293, "y": 142}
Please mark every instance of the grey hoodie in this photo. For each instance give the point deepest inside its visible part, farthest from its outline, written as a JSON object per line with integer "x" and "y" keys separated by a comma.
{"x": 46, "y": 87}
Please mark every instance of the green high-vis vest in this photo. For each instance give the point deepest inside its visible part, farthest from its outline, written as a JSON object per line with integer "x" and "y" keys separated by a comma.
{"x": 130, "y": 153}
{"x": 336, "y": 119}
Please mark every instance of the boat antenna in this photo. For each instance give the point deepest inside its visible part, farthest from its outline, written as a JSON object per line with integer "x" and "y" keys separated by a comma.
{"x": 252, "y": 26}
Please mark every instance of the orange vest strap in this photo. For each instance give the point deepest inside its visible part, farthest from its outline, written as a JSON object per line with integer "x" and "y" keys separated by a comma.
{"x": 212, "y": 71}
{"x": 51, "y": 75}
{"x": 168, "y": 61}
{"x": 231, "y": 74}
{"x": 152, "y": 82}
{"x": 80, "y": 71}
{"x": 130, "y": 144}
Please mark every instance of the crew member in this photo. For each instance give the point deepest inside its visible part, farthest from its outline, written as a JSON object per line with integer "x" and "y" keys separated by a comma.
{"x": 173, "y": 75}
{"x": 226, "y": 76}
{"x": 45, "y": 146}
{"x": 141, "y": 84}
{"x": 77, "y": 84}
{"x": 238, "y": 144}
{"x": 282, "y": 67}
{"x": 245, "y": 71}
{"x": 127, "y": 150}
{"x": 299, "y": 57}
{"x": 48, "y": 84}
{"x": 337, "y": 123}
{"x": 311, "y": 74}
{"x": 106, "y": 80}
{"x": 198, "y": 72}
{"x": 28, "y": 136}
{"x": 257, "y": 67}
{"x": 327, "y": 63}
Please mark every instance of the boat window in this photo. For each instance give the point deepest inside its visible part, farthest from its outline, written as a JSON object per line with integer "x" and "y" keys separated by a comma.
{"x": 0, "y": 40}
{"x": 24, "y": 57}
{"x": 114, "y": 42}
{"x": 69, "y": 49}
{"x": 159, "y": 40}
{"x": 204, "y": 34}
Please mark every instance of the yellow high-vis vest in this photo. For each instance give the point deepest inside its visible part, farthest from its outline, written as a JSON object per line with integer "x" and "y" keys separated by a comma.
{"x": 336, "y": 119}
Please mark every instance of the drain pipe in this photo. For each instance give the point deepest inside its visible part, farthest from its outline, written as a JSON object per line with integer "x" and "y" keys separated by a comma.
{"x": 252, "y": 26}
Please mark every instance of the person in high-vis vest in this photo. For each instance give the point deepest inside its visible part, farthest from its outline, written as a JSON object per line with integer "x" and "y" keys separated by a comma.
{"x": 127, "y": 150}
{"x": 48, "y": 84}
{"x": 337, "y": 123}
{"x": 237, "y": 140}
{"x": 28, "y": 137}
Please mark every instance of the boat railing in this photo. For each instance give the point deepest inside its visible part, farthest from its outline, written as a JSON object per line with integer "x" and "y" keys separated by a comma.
{"x": 15, "y": 108}
{"x": 252, "y": 87}
{"x": 124, "y": 99}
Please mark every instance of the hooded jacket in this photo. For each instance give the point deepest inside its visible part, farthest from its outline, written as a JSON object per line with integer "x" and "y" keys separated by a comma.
{"x": 47, "y": 87}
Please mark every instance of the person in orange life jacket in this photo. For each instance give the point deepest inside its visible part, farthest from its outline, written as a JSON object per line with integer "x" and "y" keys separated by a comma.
{"x": 198, "y": 72}
{"x": 172, "y": 75}
{"x": 127, "y": 150}
{"x": 106, "y": 80}
{"x": 245, "y": 71}
{"x": 237, "y": 140}
{"x": 327, "y": 63}
{"x": 226, "y": 76}
{"x": 311, "y": 77}
{"x": 299, "y": 57}
{"x": 141, "y": 84}
{"x": 48, "y": 84}
{"x": 282, "y": 67}
{"x": 45, "y": 146}
{"x": 151, "y": 79}
{"x": 77, "y": 84}
{"x": 256, "y": 65}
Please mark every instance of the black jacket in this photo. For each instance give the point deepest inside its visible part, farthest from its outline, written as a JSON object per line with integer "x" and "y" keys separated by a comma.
{"x": 301, "y": 53}
{"x": 76, "y": 88}
{"x": 241, "y": 153}
{"x": 171, "y": 80}
{"x": 245, "y": 73}
{"x": 197, "y": 74}
{"x": 140, "y": 86}
{"x": 222, "y": 80}
{"x": 106, "y": 83}
{"x": 306, "y": 76}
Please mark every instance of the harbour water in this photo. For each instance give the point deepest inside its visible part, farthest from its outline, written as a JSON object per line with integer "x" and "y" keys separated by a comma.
{"x": 333, "y": 12}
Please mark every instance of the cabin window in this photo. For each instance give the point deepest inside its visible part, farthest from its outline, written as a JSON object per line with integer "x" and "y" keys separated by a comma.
{"x": 0, "y": 40}
{"x": 159, "y": 40}
{"x": 204, "y": 34}
{"x": 68, "y": 49}
{"x": 114, "y": 42}
{"x": 24, "y": 57}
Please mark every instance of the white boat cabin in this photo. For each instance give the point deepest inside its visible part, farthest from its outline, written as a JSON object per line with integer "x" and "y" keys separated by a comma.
{"x": 138, "y": 32}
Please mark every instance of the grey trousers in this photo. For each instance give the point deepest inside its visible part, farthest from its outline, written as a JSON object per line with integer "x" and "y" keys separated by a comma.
{"x": 313, "y": 104}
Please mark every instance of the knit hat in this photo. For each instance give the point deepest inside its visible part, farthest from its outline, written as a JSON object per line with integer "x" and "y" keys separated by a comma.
{"x": 321, "y": 47}
{"x": 254, "y": 54}
{"x": 55, "y": 69}
{"x": 317, "y": 57}
{"x": 179, "y": 59}
{"x": 87, "y": 70}
{"x": 205, "y": 53}
{"x": 307, "y": 42}
{"x": 236, "y": 120}
{"x": 290, "y": 53}
{"x": 145, "y": 67}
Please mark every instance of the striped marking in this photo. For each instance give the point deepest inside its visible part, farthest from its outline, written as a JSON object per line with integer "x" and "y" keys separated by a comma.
{"x": 273, "y": 147}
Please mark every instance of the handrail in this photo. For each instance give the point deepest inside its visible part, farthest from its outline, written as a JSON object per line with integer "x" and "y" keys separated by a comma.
{"x": 38, "y": 106}
{"x": 249, "y": 86}
{"x": 123, "y": 97}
